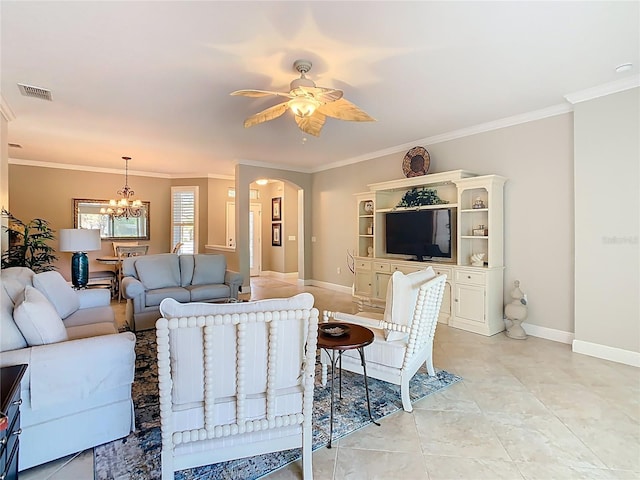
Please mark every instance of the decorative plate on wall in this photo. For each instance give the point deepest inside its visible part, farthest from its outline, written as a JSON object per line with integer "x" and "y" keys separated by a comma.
{"x": 416, "y": 162}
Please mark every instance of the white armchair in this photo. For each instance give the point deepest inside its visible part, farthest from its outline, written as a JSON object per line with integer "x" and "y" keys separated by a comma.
{"x": 403, "y": 335}
{"x": 235, "y": 380}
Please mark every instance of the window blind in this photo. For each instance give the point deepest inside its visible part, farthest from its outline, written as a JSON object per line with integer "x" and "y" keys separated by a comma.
{"x": 184, "y": 218}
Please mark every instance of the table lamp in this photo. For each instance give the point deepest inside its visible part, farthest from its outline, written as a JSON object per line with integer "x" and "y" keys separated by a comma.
{"x": 79, "y": 241}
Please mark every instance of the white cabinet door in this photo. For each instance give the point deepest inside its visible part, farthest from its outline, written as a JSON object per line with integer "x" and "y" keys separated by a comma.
{"x": 363, "y": 283}
{"x": 381, "y": 282}
{"x": 470, "y": 302}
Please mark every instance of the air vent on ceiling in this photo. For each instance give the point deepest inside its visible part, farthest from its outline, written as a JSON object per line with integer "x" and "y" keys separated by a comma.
{"x": 36, "y": 92}
{"x": 15, "y": 145}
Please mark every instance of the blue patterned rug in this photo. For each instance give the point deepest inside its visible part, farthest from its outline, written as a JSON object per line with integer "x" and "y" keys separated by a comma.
{"x": 137, "y": 457}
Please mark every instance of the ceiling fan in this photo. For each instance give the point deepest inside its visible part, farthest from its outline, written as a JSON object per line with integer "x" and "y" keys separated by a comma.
{"x": 310, "y": 104}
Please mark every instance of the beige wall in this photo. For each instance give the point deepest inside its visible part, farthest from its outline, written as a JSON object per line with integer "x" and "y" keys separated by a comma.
{"x": 245, "y": 176}
{"x": 607, "y": 201}
{"x": 282, "y": 259}
{"x": 36, "y": 192}
{"x": 536, "y": 157}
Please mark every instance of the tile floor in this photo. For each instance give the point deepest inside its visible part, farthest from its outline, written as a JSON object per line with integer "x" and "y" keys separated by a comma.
{"x": 527, "y": 409}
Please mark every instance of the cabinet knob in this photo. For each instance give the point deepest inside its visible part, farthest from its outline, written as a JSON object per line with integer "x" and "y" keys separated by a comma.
{"x": 17, "y": 432}
{"x": 3, "y": 476}
{"x": 17, "y": 402}
{"x": 456, "y": 300}
{"x": 469, "y": 277}
{"x": 3, "y": 441}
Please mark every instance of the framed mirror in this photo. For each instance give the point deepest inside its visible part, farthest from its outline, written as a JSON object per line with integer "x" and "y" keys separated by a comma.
{"x": 86, "y": 214}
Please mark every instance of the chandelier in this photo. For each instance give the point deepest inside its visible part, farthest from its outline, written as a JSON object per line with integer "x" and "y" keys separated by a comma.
{"x": 125, "y": 207}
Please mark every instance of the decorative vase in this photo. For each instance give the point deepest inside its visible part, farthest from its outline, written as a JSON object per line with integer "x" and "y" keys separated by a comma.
{"x": 79, "y": 270}
{"x": 516, "y": 313}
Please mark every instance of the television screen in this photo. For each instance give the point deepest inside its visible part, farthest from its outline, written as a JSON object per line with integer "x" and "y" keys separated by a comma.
{"x": 424, "y": 234}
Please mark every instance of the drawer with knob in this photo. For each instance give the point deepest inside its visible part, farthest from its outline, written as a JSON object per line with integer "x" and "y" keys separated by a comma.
{"x": 10, "y": 430}
{"x": 470, "y": 277}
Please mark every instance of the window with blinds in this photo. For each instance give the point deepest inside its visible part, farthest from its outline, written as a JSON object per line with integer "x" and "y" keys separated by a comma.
{"x": 184, "y": 218}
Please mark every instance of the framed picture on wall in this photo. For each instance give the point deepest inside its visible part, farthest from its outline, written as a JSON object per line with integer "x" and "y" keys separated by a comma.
{"x": 276, "y": 209}
{"x": 276, "y": 234}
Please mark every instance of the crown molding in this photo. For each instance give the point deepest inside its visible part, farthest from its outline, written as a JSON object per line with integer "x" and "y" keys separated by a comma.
{"x": 82, "y": 168}
{"x": 551, "y": 111}
{"x": 274, "y": 166}
{"x": 5, "y": 110}
{"x": 602, "y": 90}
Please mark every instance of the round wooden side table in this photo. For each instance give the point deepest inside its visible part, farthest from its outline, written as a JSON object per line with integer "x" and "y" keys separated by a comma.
{"x": 356, "y": 338}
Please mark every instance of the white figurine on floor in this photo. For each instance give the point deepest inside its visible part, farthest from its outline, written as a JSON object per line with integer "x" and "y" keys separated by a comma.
{"x": 516, "y": 312}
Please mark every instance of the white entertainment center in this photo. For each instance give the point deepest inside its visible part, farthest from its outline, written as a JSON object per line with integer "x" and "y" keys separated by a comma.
{"x": 473, "y": 298}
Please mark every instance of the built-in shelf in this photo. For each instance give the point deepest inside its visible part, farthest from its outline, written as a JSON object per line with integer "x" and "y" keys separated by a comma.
{"x": 413, "y": 209}
{"x": 470, "y": 210}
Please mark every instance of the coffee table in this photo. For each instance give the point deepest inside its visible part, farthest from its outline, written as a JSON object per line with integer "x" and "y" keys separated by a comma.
{"x": 356, "y": 338}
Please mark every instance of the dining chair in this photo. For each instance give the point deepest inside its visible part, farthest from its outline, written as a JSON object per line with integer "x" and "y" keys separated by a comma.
{"x": 122, "y": 252}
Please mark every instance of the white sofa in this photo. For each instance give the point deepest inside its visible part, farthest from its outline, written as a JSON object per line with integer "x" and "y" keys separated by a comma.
{"x": 76, "y": 392}
{"x": 149, "y": 279}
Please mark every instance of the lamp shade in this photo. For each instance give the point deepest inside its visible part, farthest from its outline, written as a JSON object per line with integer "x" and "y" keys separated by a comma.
{"x": 79, "y": 239}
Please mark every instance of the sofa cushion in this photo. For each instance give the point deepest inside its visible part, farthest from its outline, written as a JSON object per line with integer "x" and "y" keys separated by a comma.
{"x": 58, "y": 292}
{"x": 402, "y": 294}
{"x": 38, "y": 320}
{"x": 92, "y": 330}
{"x": 14, "y": 279}
{"x": 154, "y": 297}
{"x": 186, "y": 269}
{"x": 204, "y": 293}
{"x": 89, "y": 316}
{"x": 209, "y": 269}
{"x": 382, "y": 351}
{"x": 158, "y": 271}
{"x": 10, "y": 336}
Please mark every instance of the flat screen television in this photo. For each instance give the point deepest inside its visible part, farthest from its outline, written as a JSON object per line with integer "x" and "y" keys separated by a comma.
{"x": 423, "y": 234}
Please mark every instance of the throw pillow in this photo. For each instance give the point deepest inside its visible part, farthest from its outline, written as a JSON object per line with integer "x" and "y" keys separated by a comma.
{"x": 53, "y": 285}
{"x": 404, "y": 294}
{"x": 38, "y": 320}
{"x": 209, "y": 269}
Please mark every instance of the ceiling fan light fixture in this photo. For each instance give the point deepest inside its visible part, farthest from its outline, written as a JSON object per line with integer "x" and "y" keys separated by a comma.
{"x": 303, "y": 106}
{"x": 262, "y": 181}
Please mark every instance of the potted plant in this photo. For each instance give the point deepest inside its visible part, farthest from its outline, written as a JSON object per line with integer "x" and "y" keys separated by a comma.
{"x": 28, "y": 245}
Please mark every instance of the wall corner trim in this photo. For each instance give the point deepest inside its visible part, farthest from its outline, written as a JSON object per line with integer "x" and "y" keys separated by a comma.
{"x": 616, "y": 86}
{"x": 605, "y": 352}
{"x": 5, "y": 110}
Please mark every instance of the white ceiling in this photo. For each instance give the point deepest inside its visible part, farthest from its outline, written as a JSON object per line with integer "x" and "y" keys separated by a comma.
{"x": 151, "y": 80}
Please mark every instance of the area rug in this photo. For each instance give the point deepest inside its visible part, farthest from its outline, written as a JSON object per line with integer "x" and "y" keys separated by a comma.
{"x": 137, "y": 457}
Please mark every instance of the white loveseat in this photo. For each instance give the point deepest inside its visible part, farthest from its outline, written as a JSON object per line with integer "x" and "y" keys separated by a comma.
{"x": 149, "y": 279}
{"x": 76, "y": 392}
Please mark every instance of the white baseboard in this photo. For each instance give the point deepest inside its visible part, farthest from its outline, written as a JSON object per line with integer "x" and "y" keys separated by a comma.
{"x": 329, "y": 286}
{"x": 548, "y": 333}
{"x": 291, "y": 277}
{"x": 607, "y": 353}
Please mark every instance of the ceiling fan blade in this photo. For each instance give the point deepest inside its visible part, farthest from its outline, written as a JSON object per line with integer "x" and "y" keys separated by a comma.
{"x": 265, "y": 115}
{"x": 324, "y": 95}
{"x": 311, "y": 125}
{"x": 259, "y": 93}
{"x": 345, "y": 110}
